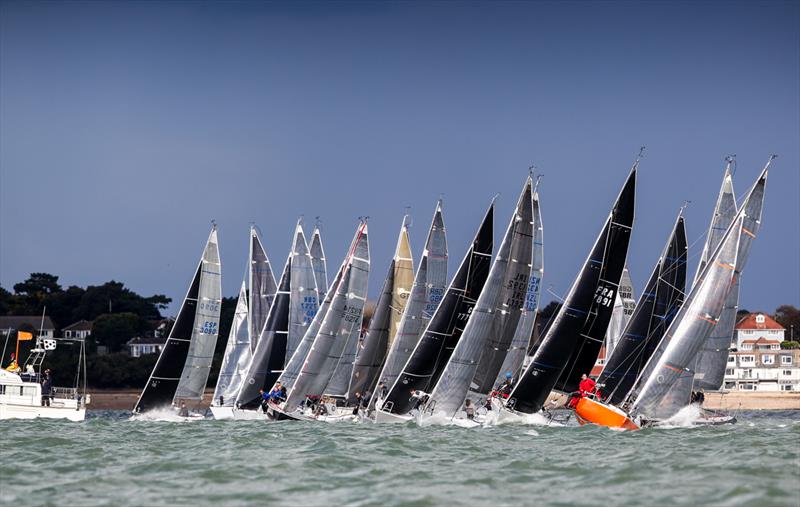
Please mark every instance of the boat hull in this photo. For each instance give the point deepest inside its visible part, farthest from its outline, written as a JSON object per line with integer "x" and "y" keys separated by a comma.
{"x": 589, "y": 411}
{"x": 248, "y": 415}
{"x": 8, "y": 411}
{"x": 388, "y": 417}
{"x": 221, "y": 413}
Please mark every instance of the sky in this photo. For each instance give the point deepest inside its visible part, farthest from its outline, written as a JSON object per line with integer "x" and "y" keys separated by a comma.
{"x": 126, "y": 127}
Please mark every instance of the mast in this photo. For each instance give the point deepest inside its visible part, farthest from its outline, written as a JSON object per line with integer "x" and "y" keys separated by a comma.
{"x": 481, "y": 349}
{"x": 426, "y": 293}
{"x": 434, "y": 348}
{"x": 163, "y": 382}
{"x": 570, "y": 347}
{"x": 660, "y": 301}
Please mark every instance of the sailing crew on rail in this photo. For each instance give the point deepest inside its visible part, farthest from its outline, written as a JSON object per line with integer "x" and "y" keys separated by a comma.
{"x": 586, "y": 387}
{"x": 277, "y": 394}
{"x": 506, "y": 387}
{"x": 469, "y": 409}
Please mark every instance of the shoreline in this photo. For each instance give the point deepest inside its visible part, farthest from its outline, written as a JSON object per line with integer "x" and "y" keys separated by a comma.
{"x": 125, "y": 399}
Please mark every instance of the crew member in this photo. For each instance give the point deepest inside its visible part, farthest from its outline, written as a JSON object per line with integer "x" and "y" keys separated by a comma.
{"x": 469, "y": 408}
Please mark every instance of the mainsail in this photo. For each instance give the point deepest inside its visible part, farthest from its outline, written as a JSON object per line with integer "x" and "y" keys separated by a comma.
{"x": 699, "y": 315}
{"x": 370, "y": 357}
{"x": 304, "y": 300}
{"x": 267, "y": 361}
{"x": 624, "y": 303}
{"x": 660, "y": 301}
{"x": 237, "y": 355}
{"x": 433, "y": 349}
{"x": 523, "y": 335}
{"x": 193, "y": 333}
{"x": 319, "y": 263}
{"x": 426, "y": 293}
{"x": 573, "y": 340}
{"x": 341, "y": 318}
{"x": 262, "y": 288}
{"x": 480, "y": 352}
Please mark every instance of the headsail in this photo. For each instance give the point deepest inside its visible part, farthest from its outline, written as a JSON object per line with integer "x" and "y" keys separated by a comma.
{"x": 481, "y": 349}
{"x": 268, "y": 358}
{"x": 319, "y": 263}
{"x": 396, "y": 288}
{"x": 624, "y": 303}
{"x": 573, "y": 340}
{"x": 262, "y": 288}
{"x": 699, "y": 315}
{"x": 433, "y": 350}
{"x": 162, "y": 385}
{"x": 426, "y": 293}
{"x": 237, "y": 355}
{"x": 660, "y": 301}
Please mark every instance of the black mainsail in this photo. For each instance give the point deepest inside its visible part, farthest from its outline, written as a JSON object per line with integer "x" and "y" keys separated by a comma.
{"x": 572, "y": 343}
{"x": 660, "y": 301}
{"x": 434, "y": 348}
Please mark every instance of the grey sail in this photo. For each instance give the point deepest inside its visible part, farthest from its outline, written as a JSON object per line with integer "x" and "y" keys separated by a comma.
{"x": 206, "y": 326}
{"x": 319, "y": 263}
{"x": 341, "y": 316}
{"x": 523, "y": 334}
{"x": 426, "y": 293}
{"x": 713, "y": 357}
{"x": 296, "y": 361}
{"x": 304, "y": 301}
{"x": 624, "y": 304}
{"x": 480, "y": 352}
{"x": 350, "y": 331}
{"x": 237, "y": 355}
{"x": 699, "y": 315}
{"x": 262, "y": 288}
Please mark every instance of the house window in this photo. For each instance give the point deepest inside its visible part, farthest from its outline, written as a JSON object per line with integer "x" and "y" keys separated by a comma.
{"x": 787, "y": 373}
{"x": 786, "y": 359}
{"x": 747, "y": 346}
{"x": 747, "y": 387}
{"x": 731, "y": 359}
{"x": 759, "y": 319}
{"x": 729, "y": 372}
{"x": 747, "y": 359}
{"x": 786, "y": 387}
{"x": 768, "y": 359}
{"x": 775, "y": 346}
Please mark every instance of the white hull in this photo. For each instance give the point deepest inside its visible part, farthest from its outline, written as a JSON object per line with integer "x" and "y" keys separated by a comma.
{"x": 8, "y": 411}
{"x": 387, "y": 417}
{"x": 221, "y": 413}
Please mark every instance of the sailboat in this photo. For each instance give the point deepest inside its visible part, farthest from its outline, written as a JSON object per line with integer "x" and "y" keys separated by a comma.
{"x": 391, "y": 303}
{"x": 660, "y": 301}
{"x": 249, "y": 319}
{"x": 713, "y": 356}
{"x": 341, "y": 323}
{"x": 182, "y": 368}
{"x": 699, "y": 315}
{"x": 433, "y": 350}
{"x": 293, "y": 309}
{"x": 573, "y": 341}
{"x": 480, "y": 352}
{"x": 427, "y": 290}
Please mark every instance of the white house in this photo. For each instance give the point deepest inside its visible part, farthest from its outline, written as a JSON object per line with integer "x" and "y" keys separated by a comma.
{"x": 143, "y": 345}
{"x": 43, "y": 327}
{"x": 81, "y": 329}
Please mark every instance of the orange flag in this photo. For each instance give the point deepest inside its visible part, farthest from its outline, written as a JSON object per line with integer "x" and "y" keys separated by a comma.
{"x": 24, "y": 335}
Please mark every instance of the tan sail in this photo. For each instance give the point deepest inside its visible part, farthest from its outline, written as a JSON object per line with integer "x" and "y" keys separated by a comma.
{"x": 403, "y": 280}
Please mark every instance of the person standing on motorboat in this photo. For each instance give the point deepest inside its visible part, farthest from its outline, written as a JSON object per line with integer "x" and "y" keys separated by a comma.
{"x": 47, "y": 388}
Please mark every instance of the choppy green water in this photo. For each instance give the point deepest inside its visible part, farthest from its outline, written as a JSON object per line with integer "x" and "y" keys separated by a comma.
{"x": 109, "y": 460}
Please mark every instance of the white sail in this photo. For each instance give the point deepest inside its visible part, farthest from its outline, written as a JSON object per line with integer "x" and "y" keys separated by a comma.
{"x": 237, "y": 355}
{"x": 206, "y": 325}
{"x": 304, "y": 300}
{"x": 262, "y": 288}
{"x": 319, "y": 262}
{"x": 624, "y": 304}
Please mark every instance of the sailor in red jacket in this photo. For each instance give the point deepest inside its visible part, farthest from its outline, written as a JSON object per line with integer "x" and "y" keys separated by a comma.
{"x": 587, "y": 386}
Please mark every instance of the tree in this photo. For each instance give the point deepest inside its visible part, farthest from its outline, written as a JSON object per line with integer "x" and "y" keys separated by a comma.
{"x": 789, "y": 317}
{"x": 5, "y": 301}
{"x": 115, "y": 329}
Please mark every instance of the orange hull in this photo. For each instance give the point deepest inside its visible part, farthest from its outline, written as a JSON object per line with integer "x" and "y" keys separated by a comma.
{"x": 594, "y": 412}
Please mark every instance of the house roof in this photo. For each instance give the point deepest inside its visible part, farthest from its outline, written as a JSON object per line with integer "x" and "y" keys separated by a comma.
{"x": 749, "y": 321}
{"x": 81, "y": 325}
{"x": 35, "y": 321}
{"x": 761, "y": 341}
{"x": 146, "y": 340}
